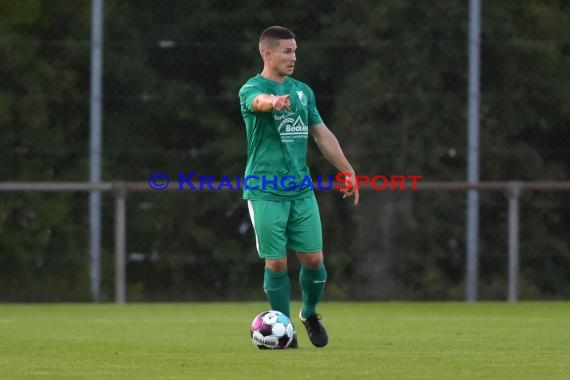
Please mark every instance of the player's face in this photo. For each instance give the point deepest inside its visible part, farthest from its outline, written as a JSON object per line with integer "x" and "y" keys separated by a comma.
{"x": 284, "y": 57}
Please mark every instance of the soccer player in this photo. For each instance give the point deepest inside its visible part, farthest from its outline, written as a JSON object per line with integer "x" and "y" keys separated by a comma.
{"x": 279, "y": 112}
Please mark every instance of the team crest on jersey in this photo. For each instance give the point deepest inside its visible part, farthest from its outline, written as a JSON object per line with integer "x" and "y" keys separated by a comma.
{"x": 302, "y": 97}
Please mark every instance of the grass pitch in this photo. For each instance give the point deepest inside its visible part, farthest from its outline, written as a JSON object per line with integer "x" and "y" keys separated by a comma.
{"x": 211, "y": 341}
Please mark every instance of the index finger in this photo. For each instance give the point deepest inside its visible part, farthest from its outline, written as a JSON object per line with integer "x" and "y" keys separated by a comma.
{"x": 287, "y": 102}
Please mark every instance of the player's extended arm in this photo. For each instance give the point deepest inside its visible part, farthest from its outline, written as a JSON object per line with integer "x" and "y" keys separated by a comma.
{"x": 268, "y": 103}
{"x": 330, "y": 148}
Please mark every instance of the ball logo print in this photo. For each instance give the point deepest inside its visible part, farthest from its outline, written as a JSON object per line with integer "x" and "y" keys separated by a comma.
{"x": 271, "y": 330}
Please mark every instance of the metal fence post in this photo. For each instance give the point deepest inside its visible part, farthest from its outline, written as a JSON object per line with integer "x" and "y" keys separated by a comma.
{"x": 514, "y": 192}
{"x": 95, "y": 141}
{"x": 120, "y": 192}
{"x": 472, "y": 225}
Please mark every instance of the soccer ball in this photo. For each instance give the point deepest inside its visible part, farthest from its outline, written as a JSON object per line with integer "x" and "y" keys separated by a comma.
{"x": 271, "y": 329}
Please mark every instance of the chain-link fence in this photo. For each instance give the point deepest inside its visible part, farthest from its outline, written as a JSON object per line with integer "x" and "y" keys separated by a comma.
{"x": 391, "y": 82}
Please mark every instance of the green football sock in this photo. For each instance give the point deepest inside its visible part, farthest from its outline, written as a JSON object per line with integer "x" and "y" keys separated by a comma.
{"x": 278, "y": 290}
{"x": 312, "y": 282}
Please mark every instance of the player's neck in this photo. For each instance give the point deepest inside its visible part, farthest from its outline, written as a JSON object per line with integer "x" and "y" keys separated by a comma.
{"x": 271, "y": 75}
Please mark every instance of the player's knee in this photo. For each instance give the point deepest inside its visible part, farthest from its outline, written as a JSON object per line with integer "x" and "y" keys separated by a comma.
{"x": 277, "y": 265}
{"x": 312, "y": 260}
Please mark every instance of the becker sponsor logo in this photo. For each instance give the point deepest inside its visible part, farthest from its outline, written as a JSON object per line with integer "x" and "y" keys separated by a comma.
{"x": 293, "y": 128}
{"x": 296, "y": 128}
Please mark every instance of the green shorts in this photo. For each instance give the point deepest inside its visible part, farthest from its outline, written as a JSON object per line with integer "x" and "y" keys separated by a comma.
{"x": 282, "y": 225}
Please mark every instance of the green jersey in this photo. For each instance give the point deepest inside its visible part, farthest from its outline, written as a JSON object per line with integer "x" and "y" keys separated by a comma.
{"x": 277, "y": 141}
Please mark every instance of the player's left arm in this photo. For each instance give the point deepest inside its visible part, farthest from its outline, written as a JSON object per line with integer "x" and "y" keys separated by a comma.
{"x": 331, "y": 150}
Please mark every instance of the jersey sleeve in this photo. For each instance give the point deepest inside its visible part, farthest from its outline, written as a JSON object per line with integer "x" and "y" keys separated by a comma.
{"x": 247, "y": 93}
{"x": 314, "y": 117}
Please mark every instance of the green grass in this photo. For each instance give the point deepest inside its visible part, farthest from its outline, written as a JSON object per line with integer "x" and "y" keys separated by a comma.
{"x": 211, "y": 341}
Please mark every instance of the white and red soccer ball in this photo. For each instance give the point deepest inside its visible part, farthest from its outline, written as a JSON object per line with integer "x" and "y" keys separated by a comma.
{"x": 271, "y": 329}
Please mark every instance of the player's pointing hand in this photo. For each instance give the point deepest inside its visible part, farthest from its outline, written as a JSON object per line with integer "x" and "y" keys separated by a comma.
{"x": 282, "y": 102}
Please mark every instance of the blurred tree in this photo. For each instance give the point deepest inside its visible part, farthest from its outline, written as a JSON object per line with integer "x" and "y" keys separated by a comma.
{"x": 43, "y": 103}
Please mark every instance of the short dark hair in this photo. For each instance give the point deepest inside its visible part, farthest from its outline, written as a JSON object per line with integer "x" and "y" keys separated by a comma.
{"x": 277, "y": 32}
